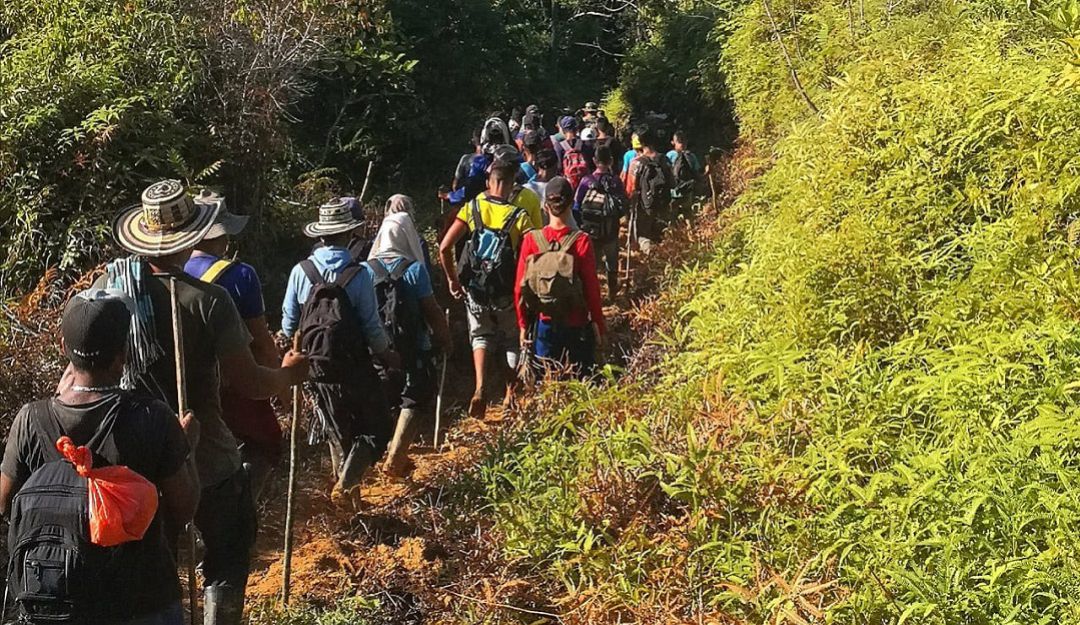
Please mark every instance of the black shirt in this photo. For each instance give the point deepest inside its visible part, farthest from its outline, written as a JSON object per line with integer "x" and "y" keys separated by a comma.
{"x": 145, "y": 438}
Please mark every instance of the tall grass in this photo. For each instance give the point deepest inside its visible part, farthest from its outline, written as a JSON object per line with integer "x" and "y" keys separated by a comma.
{"x": 867, "y": 412}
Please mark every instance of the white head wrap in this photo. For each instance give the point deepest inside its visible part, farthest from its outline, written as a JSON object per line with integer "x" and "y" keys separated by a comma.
{"x": 397, "y": 238}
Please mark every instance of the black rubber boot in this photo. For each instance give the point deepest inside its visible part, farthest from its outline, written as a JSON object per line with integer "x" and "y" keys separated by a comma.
{"x": 223, "y": 605}
{"x": 355, "y": 466}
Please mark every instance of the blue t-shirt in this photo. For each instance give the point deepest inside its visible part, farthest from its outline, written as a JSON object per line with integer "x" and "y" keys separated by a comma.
{"x": 417, "y": 286}
{"x": 240, "y": 280}
{"x": 628, "y": 158}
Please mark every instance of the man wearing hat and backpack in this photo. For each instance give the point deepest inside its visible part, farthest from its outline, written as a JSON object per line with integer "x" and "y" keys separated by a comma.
{"x": 161, "y": 233}
{"x": 252, "y": 421}
{"x": 331, "y": 301}
{"x": 134, "y": 582}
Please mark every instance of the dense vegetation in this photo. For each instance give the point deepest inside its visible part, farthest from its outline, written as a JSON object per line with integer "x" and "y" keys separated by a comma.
{"x": 278, "y": 103}
{"x": 867, "y": 412}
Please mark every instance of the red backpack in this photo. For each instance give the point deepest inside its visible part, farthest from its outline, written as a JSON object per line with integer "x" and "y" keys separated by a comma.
{"x": 574, "y": 165}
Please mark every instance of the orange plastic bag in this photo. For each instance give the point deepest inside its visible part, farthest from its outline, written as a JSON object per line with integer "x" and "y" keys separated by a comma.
{"x": 122, "y": 502}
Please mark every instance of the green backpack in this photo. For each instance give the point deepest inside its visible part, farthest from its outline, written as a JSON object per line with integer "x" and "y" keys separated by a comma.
{"x": 550, "y": 285}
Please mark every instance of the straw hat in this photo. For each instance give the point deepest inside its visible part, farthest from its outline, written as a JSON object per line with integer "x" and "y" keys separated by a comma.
{"x": 166, "y": 222}
{"x": 335, "y": 217}
{"x": 226, "y": 223}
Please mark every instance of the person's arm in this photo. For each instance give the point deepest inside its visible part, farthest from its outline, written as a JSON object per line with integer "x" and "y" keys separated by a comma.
{"x": 436, "y": 320}
{"x": 446, "y": 255}
{"x": 290, "y": 306}
{"x": 14, "y": 470}
{"x": 582, "y": 189}
{"x": 262, "y": 342}
{"x": 252, "y": 380}
{"x": 586, "y": 269}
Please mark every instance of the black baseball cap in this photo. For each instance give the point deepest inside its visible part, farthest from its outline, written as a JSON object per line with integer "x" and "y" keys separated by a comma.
{"x": 558, "y": 191}
{"x": 95, "y": 327}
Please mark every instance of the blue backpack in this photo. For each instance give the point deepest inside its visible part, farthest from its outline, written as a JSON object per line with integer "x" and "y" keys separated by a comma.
{"x": 489, "y": 264}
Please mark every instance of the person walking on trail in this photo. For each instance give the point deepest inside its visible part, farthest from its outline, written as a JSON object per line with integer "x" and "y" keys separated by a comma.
{"x": 252, "y": 421}
{"x": 415, "y": 323}
{"x": 497, "y": 220}
{"x": 161, "y": 232}
{"x": 650, "y": 192}
{"x": 575, "y": 158}
{"x": 530, "y": 146}
{"x": 562, "y": 298}
{"x": 330, "y": 299}
{"x": 599, "y": 205}
{"x": 461, "y": 172}
{"x": 629, "y": 157}
{"x": 605, "y": 135}
{"x": 547, "y": 167}
{"x": 687, "y": 171}
{"x": 131, "y": 583}
{"x": 494, "y": 134}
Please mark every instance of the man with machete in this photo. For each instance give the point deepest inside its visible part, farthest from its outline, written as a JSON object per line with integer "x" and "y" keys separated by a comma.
{"x": 161, "y": 232}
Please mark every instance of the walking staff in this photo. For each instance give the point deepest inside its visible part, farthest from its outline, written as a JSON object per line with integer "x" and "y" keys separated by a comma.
{"x": 298, "y": 397}
{"x": 181, "y": 409}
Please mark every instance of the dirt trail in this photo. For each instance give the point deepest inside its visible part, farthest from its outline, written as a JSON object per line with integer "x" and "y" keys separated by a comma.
{"x": 403, "y": 545}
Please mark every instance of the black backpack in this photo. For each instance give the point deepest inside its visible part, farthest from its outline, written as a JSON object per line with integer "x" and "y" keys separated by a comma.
{"x": 330, "y": 333}
{"x": 602, "y": 208}
{"x": 55, "y": 574}
{"x": 489, "y": 264}
{"x": 684, "y": 174}
{"x": 653, "y": 185}
{"x": 398, "y": 318}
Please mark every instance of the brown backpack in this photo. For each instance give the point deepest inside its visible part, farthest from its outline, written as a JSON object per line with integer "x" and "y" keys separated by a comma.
{"x": 550, "y": 285}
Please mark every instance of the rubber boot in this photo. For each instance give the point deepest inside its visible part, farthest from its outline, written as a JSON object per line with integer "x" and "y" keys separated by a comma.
{"x": 398, "y": 454}
{"x": 223, "y": 605}
{"x": 356, "y": 465}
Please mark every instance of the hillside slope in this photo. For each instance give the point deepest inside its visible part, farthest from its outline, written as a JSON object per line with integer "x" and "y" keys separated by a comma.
{"x": 866, "y": 410}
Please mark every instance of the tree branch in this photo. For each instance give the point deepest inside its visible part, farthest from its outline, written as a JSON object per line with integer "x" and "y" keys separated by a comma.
{"x": 787, "y": 59}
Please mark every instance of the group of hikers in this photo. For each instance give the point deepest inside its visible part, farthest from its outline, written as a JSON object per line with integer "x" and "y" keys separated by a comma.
{"x": 172, "y": 363}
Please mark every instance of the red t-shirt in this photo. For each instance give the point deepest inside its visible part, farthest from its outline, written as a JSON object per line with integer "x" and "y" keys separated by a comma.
{"x": 584, "y": 265}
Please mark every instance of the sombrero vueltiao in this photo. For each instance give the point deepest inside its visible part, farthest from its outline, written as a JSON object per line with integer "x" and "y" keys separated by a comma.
{"x": 335, "y": 217}
{"x": 167, "y": 221}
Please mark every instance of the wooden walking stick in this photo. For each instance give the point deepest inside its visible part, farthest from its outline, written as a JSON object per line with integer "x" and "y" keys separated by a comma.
{"x": 442, "y": 386}
{"x": 298, "y": 396}
{"x": 181, "y": 409}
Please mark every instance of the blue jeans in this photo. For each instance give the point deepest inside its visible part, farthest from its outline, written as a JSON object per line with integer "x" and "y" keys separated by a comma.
{"x": 563, "y": 345}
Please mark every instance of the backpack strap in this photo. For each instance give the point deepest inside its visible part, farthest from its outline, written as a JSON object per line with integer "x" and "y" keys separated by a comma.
{"x": 541, "y": 241}
{"x": 312, "y": 272}
{"x": 381, "y": 274}
{"x": 478, "y": 221}
{"x": 216, "y": 270}
{"x": 512, "y": 219}
{"x": 347, "y": 275}
{"x": 400, "y": 271}
{"x": 569, "y": 241}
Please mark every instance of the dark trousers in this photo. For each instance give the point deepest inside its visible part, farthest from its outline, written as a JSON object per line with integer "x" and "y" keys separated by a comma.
{"x": 353, "y": 413}
{"x": 227, "y": 522}
{"x": 564, "y": 346}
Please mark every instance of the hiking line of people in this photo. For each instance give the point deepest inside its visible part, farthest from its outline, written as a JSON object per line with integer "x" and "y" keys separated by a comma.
{"x": 162, "y": 420}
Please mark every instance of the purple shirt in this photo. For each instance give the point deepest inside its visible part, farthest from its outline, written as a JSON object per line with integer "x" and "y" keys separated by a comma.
{"x": 240, "y": 280}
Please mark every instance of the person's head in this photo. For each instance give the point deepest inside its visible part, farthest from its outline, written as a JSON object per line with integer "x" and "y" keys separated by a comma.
{"x": 678, "y": 141}
{"x": 547, "y": 164}
{"x": 604, "y": 128}
{"x": 530, "y": 141}
{"x": 558, "y": 197}
{"x": 650, "y": 141}
{"x": 603, "y": 156}
{"x": 475, "y": 140}
{"x": 588, "y": 135}
{"x": 635, "y": 141}
{"x": 226, "y": 226}
{"x": 501, "y": 177}
{"x": 568, "y": 125}
{"x": 167, "y": 224}
{"x": 494, "y": 134}
{"x": 94, "y": 332}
